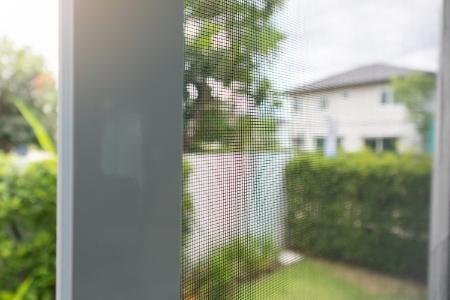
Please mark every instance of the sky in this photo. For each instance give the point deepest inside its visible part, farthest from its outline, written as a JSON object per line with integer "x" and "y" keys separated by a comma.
{"x": 323, "y": 37}
{"x": 32, "y": 23}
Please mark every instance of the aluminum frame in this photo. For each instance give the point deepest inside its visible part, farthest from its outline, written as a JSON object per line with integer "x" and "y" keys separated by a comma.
{"x": 439, "y": 261}
{"x": 120, "y": 149}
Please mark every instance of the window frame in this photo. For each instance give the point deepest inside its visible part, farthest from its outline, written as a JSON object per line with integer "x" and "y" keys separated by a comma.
{"x": 387, "y": 97}
{"x": 439, "y": 242}
{"x": 67, "y": 147}
{"x": 100, "y": 211}
{"x": 379, "y": 145}
{"x": 324, "y": 103}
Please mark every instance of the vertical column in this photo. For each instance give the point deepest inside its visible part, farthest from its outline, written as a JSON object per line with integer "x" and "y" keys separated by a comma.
{"x": 120, "y": 149}
{"x": 439, "y": 264}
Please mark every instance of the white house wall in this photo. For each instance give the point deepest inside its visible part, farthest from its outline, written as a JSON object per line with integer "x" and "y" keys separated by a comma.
{"x": 358, "y": 113}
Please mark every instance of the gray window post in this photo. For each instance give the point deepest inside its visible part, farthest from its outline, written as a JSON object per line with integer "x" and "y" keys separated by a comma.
{"x": 439, "y": 283}
{"x": 120, "y": 149}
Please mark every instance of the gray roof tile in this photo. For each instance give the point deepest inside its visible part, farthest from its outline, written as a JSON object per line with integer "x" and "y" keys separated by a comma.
{"x": 371, "y": 74}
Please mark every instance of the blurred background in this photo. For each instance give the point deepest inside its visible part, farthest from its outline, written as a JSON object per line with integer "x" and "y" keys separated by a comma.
{"x": 308, "y": 141}
{"x": 28, "y": 100}
{"x": 309, "y": 133}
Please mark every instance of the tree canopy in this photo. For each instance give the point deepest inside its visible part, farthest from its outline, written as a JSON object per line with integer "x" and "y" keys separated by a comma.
{"x": 228, "y": 46}
{"x": 23, "y": 78}
{"x": 416, "y": 91}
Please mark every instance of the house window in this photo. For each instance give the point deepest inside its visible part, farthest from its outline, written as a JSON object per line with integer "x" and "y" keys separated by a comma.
{"x": 371, "y": 144}
{"x": 378, "y": 145}
{"x": 390, "y": 144}
{"x": 387, "y": 97}
{"x": 319, "y": 143}
{"x": 323, "y": 104}
{"x": 298, "y": 142}
{"x": 298, "y": 105}
{"x": 340, "y": 142}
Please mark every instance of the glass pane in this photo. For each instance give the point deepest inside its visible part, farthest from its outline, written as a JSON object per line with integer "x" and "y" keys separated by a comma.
{"x": 390, "y": 144}
{"x": 371, "y": 144}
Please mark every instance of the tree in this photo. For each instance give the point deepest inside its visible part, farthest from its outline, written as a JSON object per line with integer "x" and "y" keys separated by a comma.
{"x": 23, "y": 77}
{"x": 228, "y": 44}
{"x": 416, "y": 92}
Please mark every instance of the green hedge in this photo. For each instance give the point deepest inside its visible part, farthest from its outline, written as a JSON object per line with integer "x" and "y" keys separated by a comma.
{"x": 363, "y": 208}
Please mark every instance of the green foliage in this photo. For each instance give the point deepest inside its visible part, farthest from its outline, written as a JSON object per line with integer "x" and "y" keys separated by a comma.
{"x": 21, "y": 293}
{"x": 322, "y": 280}
{"x": 23, "y": 76}
{"x": 28, "y": 228}
{"x": 215, "y": 51}
{"x": 361, "y": 208}
{"x": 28, "y": 222}
{"x": 219, "y": 131}
{"x": 187, "y": 205}
{"x": 43, "y": 138}
{"x": 213, "y": 125}
{"x": 264, "y": 135}
{"x": 416, "y": 92}
{"x": 235, "y": 60}
{"x": 225, "y": 268}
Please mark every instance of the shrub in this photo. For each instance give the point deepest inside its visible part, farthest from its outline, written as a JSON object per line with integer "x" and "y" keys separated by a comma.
{"x": 361, "y": 208}
{"x": 28, "y": 227}
{"x": 219, "y": 274}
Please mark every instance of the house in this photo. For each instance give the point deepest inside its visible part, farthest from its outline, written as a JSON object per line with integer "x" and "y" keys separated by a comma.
{"x": 352, "y": 110}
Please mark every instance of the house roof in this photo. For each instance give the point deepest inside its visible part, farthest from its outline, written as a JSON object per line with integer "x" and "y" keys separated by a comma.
{"x": 371, "y": 74}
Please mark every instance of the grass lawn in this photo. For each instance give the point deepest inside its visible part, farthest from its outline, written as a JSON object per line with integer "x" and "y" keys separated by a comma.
{"x": 313, "y": 279}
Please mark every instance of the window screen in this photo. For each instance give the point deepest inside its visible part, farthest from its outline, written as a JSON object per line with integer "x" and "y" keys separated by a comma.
{"x": 318, "y": 201}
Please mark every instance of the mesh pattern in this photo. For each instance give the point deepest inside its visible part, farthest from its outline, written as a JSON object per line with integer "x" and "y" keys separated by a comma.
{"x": 230, "y": 145}
{"x": 271, "y": 179}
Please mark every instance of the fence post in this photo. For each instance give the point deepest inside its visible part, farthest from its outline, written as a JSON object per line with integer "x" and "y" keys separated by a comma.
{"x": 439, "y": 264}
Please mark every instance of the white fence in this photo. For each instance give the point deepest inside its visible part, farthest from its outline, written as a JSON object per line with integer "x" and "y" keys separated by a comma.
{"x": 236, "y": 194}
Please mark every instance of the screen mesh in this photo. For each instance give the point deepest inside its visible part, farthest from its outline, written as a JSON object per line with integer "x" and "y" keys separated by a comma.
{"x": 307, "y": 142}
